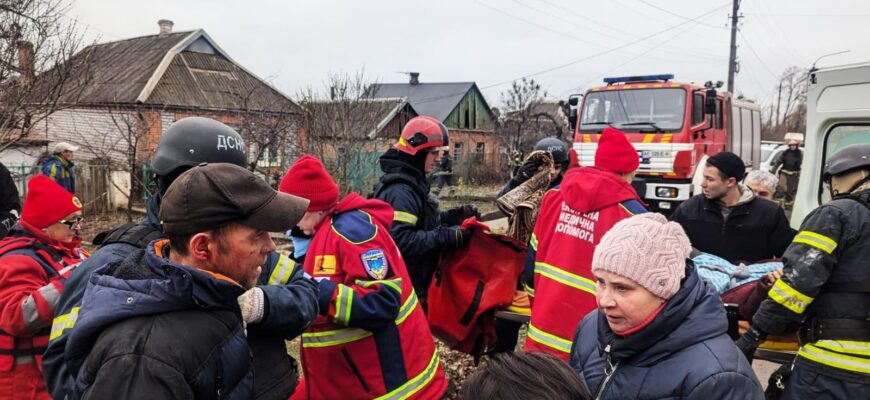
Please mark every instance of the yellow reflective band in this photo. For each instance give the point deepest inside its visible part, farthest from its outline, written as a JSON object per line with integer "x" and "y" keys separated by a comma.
{"x": 550, "y": 340}
{"x": 281, "y": 273}
{"x": 416, "y": 383}
{"x": 343, "y": 304}
{"x": 835, "y": 359}
{"x": 530, "y": 290}
{"x": 405, "y": 217}
{"x": 407, "y": 308}
{"x": 395, "y": 284}
{"x": 845, "y": 346}
{"x": 784, "y": 294}
{"x": 333, "y": 337}
{"x": 63, "y": 322}
{"x": 533, "y": 242}
{"x": 564, "y": 277}
{"x": 816, "y": 240}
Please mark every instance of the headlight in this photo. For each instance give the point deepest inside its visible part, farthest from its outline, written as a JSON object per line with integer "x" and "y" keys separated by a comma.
{"x": 667, "y": 192}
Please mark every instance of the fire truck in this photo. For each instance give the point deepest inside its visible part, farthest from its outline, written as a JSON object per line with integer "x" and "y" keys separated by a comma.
{"x": 674, "y": 127}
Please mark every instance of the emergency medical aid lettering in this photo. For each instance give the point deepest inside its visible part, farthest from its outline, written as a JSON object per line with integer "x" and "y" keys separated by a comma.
{"x": 229, "y": 143}
{"x": 576, "y": 224}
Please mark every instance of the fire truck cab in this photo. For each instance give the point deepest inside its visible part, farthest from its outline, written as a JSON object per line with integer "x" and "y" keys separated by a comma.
{"x": 674, "y": 127}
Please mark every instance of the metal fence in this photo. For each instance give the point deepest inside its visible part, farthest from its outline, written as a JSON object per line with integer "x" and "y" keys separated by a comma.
{"x": 93, "y": 185}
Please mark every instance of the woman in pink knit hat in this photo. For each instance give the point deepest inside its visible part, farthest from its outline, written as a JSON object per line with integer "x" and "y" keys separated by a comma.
{"x": 659, "y": 331}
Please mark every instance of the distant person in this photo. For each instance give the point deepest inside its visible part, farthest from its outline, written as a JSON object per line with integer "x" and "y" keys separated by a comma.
{"x": 524, "y": 376}
{"x": 659, "y": 331}
{"x": 788, "y": 164}
{"x": 169, "y": 321}
{"x": 728, "y": 220}
{"x": 60, "y": 167}
{"x": 762, "y": 183}
{"x": 36, "y": 258}
{"x": 444, "y": 176}
{"x": 10, "y": 204}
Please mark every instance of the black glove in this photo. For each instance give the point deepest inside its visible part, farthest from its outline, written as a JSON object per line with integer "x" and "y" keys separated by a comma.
{"x": 749, "y": 342}
{"x": 461, "y": 237}
{"x": 456, "y": 215}
{"x": 527, "y": 170}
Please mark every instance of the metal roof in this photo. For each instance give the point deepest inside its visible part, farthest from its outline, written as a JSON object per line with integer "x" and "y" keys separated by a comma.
{"x": 433, "y": 99}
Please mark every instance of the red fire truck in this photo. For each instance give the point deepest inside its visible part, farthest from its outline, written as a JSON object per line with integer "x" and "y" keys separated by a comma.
{"x": 674, "y": 127}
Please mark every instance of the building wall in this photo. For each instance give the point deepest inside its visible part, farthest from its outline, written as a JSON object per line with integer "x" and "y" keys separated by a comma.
{"x": 100, "y": 134}
{"x": 478, "y": 156}
{"x": 470, "y": 113}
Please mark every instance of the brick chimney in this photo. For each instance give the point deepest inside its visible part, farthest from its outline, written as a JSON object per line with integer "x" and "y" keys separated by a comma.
{"x": 415, "y": 78}
{"x": 26, "y": 64}
{"x": 165, "y": 27}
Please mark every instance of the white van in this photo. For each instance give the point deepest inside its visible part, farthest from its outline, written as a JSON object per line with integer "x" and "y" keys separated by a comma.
{"x": 838, "y": 114}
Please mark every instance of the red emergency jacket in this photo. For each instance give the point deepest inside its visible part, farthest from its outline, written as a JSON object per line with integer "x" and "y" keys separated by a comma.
{"x": 371, "y": 339}
{"x": 558, "y": 275}
{"x": 32, "y": 267}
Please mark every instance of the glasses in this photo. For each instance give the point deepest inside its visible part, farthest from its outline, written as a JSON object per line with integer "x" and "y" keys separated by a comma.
{"x": 72, "y": 225}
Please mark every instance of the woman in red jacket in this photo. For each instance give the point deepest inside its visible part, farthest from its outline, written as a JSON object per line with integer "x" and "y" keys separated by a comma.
{"x": 371, "y": 339}
{"x": 36, "y": 257}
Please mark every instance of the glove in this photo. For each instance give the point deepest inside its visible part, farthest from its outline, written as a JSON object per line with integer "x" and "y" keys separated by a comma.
{"x": 462, "y": 237}
{"x": 251, "y": 303}
{"x": 527, "y": 170}
{"x": 456, "y": 215}
{"x": 749, "y": 342}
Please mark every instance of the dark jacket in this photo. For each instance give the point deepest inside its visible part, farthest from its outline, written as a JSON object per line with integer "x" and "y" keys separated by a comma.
{"x": 291, "y": 305}
{"x": 417, "y": 228}
{"x": 755, "y": 230}
{"x": 10, "y": 204}
{"x": 61, "y": 171}
{"x": 832, "y": 248}
{"x": 789, "y": 160}
{"x": 152, "y": 329}
{"x": 684, "y": 353}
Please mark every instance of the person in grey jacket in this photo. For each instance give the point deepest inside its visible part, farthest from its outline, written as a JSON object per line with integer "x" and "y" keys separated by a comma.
{"x": 659, "y": 331}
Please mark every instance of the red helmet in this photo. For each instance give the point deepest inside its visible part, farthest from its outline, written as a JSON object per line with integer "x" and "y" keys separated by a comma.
{"x": 422, "y": 132}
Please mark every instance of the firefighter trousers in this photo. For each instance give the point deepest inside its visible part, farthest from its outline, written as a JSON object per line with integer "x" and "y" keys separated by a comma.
{"x": 804, "y": 384}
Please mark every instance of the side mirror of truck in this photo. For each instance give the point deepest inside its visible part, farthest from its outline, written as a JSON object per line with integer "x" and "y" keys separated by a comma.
{"x": 573, "y": 111}
{"x": 710, "y": 102}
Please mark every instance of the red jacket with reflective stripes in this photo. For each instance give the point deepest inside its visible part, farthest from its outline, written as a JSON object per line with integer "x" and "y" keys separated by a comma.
{"x": 572, "y": 219}
{"x": 32, "y": 267}
{"x": 372, "y": 338}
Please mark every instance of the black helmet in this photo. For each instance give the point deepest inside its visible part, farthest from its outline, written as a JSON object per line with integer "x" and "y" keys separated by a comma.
{"x": 555, "y": 147}
{"x": 194, "y": 140}
{"x": 846, "y": 159}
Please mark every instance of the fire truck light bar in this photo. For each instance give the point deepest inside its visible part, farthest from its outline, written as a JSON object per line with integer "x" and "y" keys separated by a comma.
{"x": 641, "y": 78}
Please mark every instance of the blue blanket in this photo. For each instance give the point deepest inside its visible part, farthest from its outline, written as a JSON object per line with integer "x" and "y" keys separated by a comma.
{"x": 724, "y": 275}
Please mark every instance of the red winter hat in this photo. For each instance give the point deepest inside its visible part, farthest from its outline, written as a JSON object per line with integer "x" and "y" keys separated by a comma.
{"x": 307, "y": 178}
{"x": 615, "y": 153}
{"x": 47, "y": 202}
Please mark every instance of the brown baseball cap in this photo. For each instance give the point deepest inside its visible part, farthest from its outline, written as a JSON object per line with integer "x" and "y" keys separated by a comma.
{"x": 208, "y": 196}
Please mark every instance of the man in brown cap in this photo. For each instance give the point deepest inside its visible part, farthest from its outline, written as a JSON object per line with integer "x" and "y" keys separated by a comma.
{"x": 165, "y": 322}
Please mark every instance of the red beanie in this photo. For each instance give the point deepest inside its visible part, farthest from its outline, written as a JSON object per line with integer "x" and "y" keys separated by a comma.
{"x": 307, "y": 178}
{"x": 47, "y": 202}
{"x": 615, "y": 153}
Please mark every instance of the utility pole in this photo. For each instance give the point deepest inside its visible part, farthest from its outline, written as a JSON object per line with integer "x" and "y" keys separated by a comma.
{"x": 732, "y": 60}
{"x": 778, "y": 102}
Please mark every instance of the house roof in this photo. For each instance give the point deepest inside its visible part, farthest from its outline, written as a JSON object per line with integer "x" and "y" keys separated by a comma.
{"x": 434, "y": 99}
{"x": 370, "y": 114}
{"x": 181, "y": 69}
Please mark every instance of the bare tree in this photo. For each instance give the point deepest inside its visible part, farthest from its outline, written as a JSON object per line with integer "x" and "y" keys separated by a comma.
{"x": 35, "y": 75}
{"x": 270, "y": 132}
{"x": 519, "y": 121}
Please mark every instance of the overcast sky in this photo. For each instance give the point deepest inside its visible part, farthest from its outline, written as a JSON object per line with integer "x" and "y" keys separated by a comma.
{"x": 567, "y": 45}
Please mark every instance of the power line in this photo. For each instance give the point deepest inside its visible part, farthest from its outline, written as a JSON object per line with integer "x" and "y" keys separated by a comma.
{"x": 669, "y": 12}
{"x": 745, "y": 41}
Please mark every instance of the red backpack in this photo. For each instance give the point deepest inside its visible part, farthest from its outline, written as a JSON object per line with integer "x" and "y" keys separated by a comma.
{"x": 470, "y": 285}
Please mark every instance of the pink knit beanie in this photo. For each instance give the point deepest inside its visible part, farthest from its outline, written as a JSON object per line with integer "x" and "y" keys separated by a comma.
{"x": 647, "y": 249}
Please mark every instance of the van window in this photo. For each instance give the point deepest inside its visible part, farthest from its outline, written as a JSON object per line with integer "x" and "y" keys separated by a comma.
{"x": 840, "y": 136}
{"x": 697, "y": 109}
{"x": 719, "y": 123}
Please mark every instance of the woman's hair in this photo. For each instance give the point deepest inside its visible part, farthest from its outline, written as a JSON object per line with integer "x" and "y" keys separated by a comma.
{"x": 524, "y": 376}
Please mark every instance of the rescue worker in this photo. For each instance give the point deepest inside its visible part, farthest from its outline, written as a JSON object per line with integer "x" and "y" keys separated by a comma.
{"x": 444, "y": 176}
{"x": 529, "y": 168}
{"x": 291, "y": 299}
{"x": 371, "y": 339}
{"x": 572, "y": 219}
{"x": 728, "y": 220}
{"x": 36, "y": 258}
{"x": 10, "y": 204}
{"x": 826, "y": 288}
{"x": 419, "y": 228}
{"x": 60, "y": 168}
{"x": 166, "y": 322}
{"x": 788, "y": 164}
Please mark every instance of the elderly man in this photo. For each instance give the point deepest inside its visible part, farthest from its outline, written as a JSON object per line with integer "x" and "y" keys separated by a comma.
{"x": 166, "y": 321}
{"x": 762, "y": 183}
{"x": 60, "y": 166}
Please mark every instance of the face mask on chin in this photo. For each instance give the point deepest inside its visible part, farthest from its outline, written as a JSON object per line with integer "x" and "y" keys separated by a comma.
{"x": 300, "y": 242}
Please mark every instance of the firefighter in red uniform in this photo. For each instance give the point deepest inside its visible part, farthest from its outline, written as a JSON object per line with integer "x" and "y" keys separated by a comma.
{"x": 36, "y": 257}
{"x": 572, "y": 219}
{"x": 371, "y": 339}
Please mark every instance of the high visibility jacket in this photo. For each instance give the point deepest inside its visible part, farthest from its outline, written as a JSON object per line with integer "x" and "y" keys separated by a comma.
{"x": 61, "y": 171}
{"x": 372, "y": 339}
{"x": 829, "y": 253}
{"x": 31, "y": 269}
{"x": 572, "y": 219}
